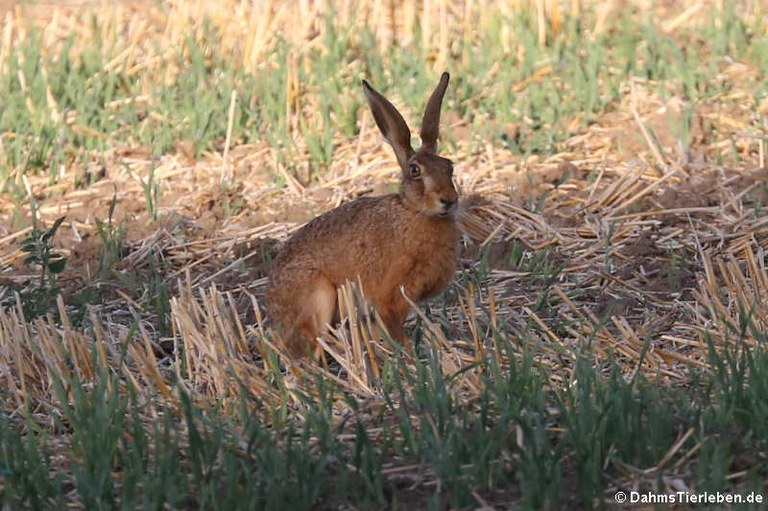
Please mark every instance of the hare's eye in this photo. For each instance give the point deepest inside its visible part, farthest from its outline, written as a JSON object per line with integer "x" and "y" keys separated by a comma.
{"x": 414, "y": 171}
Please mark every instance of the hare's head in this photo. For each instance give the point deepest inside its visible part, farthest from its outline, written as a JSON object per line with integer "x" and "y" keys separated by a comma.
{"x": 427, "y": 179}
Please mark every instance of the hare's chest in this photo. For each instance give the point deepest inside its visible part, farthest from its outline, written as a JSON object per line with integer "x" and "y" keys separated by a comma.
{"x": 432, "y": 263}
{"x": 435, "y": 279}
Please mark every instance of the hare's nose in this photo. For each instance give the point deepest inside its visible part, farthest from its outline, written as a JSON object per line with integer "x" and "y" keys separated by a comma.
{"x": 447, "y": 203}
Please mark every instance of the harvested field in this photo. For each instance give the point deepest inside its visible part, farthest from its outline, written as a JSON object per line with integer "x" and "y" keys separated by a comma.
{"x": 604, "y": 333}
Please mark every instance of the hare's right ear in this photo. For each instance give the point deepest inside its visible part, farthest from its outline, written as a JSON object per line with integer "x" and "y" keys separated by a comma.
{"x": 391, "y": 124}
{"x": 430, "y": 124}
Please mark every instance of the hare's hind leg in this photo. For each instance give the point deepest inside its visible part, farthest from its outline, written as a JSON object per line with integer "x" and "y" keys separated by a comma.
{"x": 317, "y": 311}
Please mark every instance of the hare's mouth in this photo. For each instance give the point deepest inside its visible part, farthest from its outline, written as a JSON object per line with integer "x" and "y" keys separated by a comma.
{"x": 448, "y": 209}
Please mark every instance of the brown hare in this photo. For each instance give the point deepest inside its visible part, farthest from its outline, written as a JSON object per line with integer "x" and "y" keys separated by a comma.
{"x": 405, "y": 242}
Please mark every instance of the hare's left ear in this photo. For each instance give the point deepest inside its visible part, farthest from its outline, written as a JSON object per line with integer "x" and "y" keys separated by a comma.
{"x": 430, "y": 124}
{"x": 391, "y": 124}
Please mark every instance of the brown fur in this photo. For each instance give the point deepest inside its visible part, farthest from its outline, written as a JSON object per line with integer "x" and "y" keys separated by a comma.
{"x": 408, "y": 240}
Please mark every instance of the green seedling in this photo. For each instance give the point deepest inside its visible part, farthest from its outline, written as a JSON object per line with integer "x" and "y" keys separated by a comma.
{"x": 40, "y": 294}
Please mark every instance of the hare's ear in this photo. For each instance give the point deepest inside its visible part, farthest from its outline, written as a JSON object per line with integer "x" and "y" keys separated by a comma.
{"x": 430, "y": 124}
{"x": 391, "y": 124}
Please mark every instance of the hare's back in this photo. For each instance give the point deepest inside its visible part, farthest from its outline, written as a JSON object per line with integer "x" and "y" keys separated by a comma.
{"x": 360, "y": 230}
